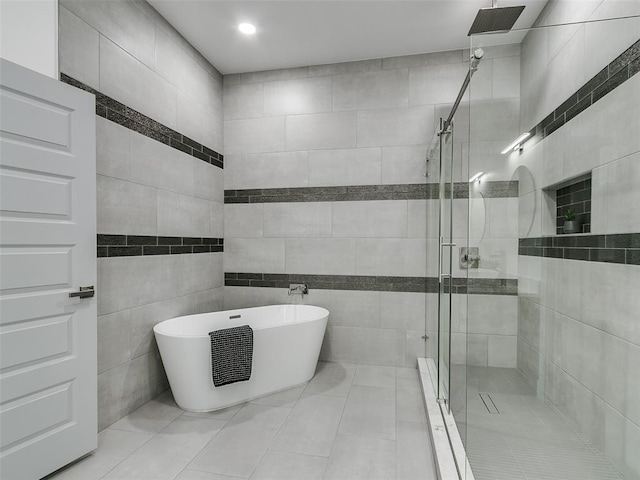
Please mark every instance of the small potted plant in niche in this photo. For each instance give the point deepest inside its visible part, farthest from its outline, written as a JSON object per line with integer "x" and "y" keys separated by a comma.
{"x": 571, "y": 224}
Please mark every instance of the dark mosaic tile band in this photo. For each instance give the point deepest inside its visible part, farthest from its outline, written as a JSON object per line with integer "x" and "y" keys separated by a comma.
{"x": 576, "y": 197}
{"x": 421, "y": 191}
{"x": 484, "y": 286}
{"x": 119, "y": 113}
{"x": 488, "y": 286}
{"x": 616, "y": 248}
{"x": 138, "y": 245}
{"x": 608, "y": 79}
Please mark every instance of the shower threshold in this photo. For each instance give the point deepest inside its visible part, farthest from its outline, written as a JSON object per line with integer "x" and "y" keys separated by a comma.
{"x": 448, "y": 449}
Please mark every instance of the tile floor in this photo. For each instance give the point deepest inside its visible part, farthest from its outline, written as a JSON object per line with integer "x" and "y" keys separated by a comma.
{"x": 528, "y": 439}
{"x": 349, "y": 422}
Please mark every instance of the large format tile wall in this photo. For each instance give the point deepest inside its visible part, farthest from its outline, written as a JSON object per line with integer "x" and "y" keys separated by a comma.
{"x": 578, "y": 328}
{"x": 150, "y": 195}
{"x": 363, "y": 124}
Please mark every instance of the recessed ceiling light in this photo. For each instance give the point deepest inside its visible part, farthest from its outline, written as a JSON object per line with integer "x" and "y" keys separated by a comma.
{"x": 247, "y": 28}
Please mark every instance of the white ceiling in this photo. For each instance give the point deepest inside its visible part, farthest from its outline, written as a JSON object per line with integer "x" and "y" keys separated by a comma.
{"x": 308, "y": 32}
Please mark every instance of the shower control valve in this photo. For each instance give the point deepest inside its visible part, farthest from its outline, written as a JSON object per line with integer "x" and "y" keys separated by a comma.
{"x": 469, "y": 257}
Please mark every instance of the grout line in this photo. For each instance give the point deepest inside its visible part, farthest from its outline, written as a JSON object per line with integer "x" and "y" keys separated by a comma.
{"x": 333, "y": 443}
{"x": 99, "y": 50}
{"x": 597, "y": 396}
{"x": 133, "y": 452}
{"x": 621, "y": 339}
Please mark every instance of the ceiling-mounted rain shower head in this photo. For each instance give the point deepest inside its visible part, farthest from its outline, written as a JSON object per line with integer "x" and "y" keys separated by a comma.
{"x": 495, "y": 19}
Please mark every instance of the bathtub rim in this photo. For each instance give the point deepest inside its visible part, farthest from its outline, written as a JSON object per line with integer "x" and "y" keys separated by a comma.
{"x": 157, "y": 328}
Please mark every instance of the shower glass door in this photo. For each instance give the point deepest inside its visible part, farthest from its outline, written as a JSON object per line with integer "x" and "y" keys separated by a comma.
{"x": 445, "y": 265}
{"x": 552, "y": 339}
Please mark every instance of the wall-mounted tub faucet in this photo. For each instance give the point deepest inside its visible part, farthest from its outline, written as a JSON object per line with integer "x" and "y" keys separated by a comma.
{"x": 301, "y": 288}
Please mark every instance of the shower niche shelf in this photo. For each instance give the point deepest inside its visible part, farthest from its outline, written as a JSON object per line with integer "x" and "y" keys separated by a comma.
{"x": 573, "y": 194}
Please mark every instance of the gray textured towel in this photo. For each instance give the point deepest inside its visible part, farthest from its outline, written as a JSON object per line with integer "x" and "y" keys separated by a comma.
{"x": 231, "y": 355}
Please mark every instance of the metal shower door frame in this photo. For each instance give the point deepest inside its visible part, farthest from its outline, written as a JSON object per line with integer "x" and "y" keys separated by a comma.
{"x": 445, "y": 240}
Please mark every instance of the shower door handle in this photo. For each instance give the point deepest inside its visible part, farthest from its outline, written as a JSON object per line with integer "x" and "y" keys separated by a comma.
{"x": 442, "y": 245}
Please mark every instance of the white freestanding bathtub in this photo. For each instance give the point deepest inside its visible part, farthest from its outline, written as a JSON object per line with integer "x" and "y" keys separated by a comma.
{"x": 286, "y": 346}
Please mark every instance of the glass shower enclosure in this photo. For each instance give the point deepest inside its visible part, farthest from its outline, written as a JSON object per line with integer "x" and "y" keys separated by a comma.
{"x": 538, "y": 346}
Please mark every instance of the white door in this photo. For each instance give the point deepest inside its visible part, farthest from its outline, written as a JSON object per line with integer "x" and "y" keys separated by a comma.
{"x": 48, "y": 373}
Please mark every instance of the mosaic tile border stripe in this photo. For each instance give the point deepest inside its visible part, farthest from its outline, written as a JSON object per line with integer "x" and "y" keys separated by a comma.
{"x": 107, "y": 107}
{"x": 142, "y": 245}
{"x": 625, "y": 66}
{"x": 621, "y": 248}
{"x": 420, "y": 191}
{"x": 484, "y": 286}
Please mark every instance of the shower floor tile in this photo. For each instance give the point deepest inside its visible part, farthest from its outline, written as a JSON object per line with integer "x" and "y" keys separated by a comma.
{"x": 349, "y": 422}
{"x": 528, "y": 439}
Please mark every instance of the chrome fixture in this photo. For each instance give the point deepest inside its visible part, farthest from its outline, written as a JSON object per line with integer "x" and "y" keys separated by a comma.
{"x": 475, "y": 60}
{"x": 432, "y": 151}
{"x": 495, "y": 19}
{"x": 469, "y": 257}
{"x": 440, "y": 269}
{"x": 301, "y": 288}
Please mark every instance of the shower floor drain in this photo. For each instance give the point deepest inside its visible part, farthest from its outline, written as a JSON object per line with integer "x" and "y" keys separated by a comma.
{"x": 488, "y": 403}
